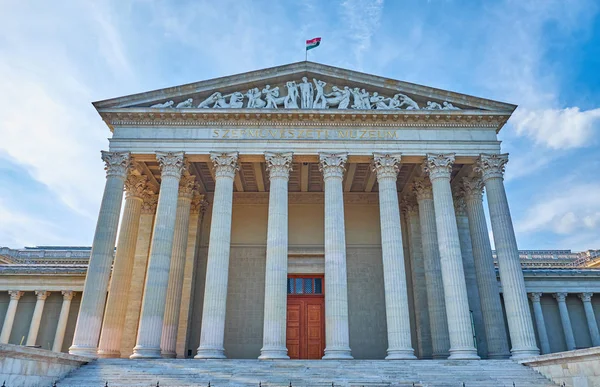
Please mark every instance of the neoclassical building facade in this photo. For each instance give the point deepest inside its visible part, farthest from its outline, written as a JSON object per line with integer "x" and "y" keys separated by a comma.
{"x": 343, "y": 220}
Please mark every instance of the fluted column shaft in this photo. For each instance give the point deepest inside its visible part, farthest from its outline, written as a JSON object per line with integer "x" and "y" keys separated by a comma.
{"x": 138, "y": 275}
{"x": 116, "y": 304}
{"x": 36, "y": 319}
{"x": 439, "y": 168}
{"x": 337, "y": 336}
{"x": 157, "y": 278}
{"x": 61, "y": 327}
{"x": 394, "y": 272}
{"x": 9, "y": 318}
{"x": 466, "y": 248}
{"x": 540, "y": 323}
{"x": 91, "y": 310}
{"x": 438, "y": 321}
{"x": 590, "y": 316}
{"x": 418, "y": 279}
{"x": 212, "y": 332}
{"x": 518, "y": 314}
{"x": 274, "y": 328}
{"x": 485, "y": 272}
{"x": 565, "y": 320}
{"x": 168, "y": 342}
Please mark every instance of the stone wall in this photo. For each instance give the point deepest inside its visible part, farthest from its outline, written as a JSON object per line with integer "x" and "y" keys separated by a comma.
{"x": 580, "y": 368}
{"x": 24, "y": 366}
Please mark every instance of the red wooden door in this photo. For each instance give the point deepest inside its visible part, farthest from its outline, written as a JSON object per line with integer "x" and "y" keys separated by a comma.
{"x": 305, "y": 318}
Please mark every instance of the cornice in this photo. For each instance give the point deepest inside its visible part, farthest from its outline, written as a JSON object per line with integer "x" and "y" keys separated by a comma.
{"x": 148, "y": 117}
{"x": 43, "y": 269}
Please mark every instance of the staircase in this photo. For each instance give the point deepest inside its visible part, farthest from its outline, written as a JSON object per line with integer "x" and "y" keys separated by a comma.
{"x": 354, "y": 373}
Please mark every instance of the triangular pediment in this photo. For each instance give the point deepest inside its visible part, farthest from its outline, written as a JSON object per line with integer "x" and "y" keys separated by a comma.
{"x": 303, "y": 86}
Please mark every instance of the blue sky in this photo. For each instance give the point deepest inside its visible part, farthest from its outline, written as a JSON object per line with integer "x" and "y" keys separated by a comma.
{"x": 57, "y": 57}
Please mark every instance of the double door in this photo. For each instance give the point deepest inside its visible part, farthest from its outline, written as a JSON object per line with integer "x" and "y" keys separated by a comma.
{"x": 305, "y": 317}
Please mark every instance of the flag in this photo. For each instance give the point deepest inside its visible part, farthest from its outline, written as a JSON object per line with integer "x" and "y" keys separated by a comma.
{"x": 312, "y": 43}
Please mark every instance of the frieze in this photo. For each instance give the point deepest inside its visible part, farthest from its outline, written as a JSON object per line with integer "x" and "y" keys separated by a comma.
{"x": 248, "y": 118}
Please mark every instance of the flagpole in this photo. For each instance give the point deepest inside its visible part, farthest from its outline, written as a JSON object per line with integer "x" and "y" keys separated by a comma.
{"x": 305, "y": 55}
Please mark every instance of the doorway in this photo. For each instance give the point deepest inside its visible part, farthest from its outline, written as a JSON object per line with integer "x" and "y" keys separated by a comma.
{"x": 305, "y": 317}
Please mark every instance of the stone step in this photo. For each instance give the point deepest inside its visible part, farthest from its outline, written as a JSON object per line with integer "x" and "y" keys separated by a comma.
{"x": 247, "y": 373}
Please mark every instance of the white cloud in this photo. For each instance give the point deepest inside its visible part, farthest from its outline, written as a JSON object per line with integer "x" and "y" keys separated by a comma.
{"x": 362, "y": 21}
{"x": 564, "y": 211}
{"x": 558, "y": 128}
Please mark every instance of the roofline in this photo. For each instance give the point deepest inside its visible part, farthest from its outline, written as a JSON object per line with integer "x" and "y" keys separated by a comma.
{"x": 308, "y": 66}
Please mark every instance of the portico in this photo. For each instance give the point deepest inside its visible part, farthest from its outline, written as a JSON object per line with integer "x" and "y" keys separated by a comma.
{"x": 282, "y": 191}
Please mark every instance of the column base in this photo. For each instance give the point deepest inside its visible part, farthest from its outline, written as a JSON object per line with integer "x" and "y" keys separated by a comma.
{"x": 463, "y": 354}
{"x": 106, "y": 354}
{"x": 168, "y": 355}
{"x": 145, "y": 353}
{"x": 210, "y": 353}
{"x": 518, "y": 354}
{"x": 338, "y": 354}
{"x": 274, "y": 354}
{"x": 81, "y": 350}
{"x": 400, "y": 354}
{"x": 439, "y": 356}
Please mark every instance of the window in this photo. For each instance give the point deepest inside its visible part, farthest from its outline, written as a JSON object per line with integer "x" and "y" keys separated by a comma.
{"x": 305, "y": 285}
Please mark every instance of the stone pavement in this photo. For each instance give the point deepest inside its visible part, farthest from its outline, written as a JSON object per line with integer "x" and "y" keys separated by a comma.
{"x": 246, "y": 373}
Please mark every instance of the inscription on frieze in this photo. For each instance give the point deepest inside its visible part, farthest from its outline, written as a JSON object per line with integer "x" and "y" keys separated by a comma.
{"x": 305, "y": 134}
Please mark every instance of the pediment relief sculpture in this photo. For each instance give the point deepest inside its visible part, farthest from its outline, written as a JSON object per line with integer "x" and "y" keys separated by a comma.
{"x": 305, "y": 94}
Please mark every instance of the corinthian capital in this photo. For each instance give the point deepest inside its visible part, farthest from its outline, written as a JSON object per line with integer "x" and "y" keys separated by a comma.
{"x": 68, "y": 295}
{"x": 15, "y": 294}
{"x": 135, "y": 185}
{"x": 171, "y": 163}
{"x": 439, "y": 165}
{"x": 150, "y": 202}
{"x": 197, "y": 202}
{"x": 42, "y": 294}
{"x": 460, "y": 206}
{"x": 187, "y": 186}
{"x": 586, "y": 297}
{"x": 225, "y": 164}
{"x": 491, "y": 165}
{"x": 278, "y": 164}
{"x": 422, "y": 188}
{"x": 332, "y": 164}
{"x": 472, "y": 188}
{"x": 117, "y": 163}
{"x": 560, "y": 297}
{"x": 386, "y": 165}
{"x": 535, "y": 297}
{"x": 409, "y": 206}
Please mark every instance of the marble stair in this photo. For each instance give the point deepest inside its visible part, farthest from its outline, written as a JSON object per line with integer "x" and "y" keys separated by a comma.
{"x": 356, "y": 373}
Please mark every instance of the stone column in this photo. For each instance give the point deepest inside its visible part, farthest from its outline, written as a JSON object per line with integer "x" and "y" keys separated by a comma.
{"x": 212, "y": 332}
{"x": 138, "y": 275}
{"x": 116, "y": 304}
{"x": 168, "y": 342}
{"x": 61, "y": 327}
{"x": 337, "y": 337}
{"x": 485, "y": 272}
{"x": 418, "y": 279}
{"x": 439, "y": 168}
{"x": 466, "y": 248}
{"x": 540, "y": 323}
{"x": 565, "y": 320}
{"x": 9, "y": 318}
{"x": 520, "y": 324}
{"x": 586, "y": 298}
{"x": 394, "y": 272}
{"x": 279, "y": 166}
{"x": 433, "y": 270}
{"x": 157, "y": 277}
{"x": 89, "y": 318}
{"x": 36, "y": 319}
